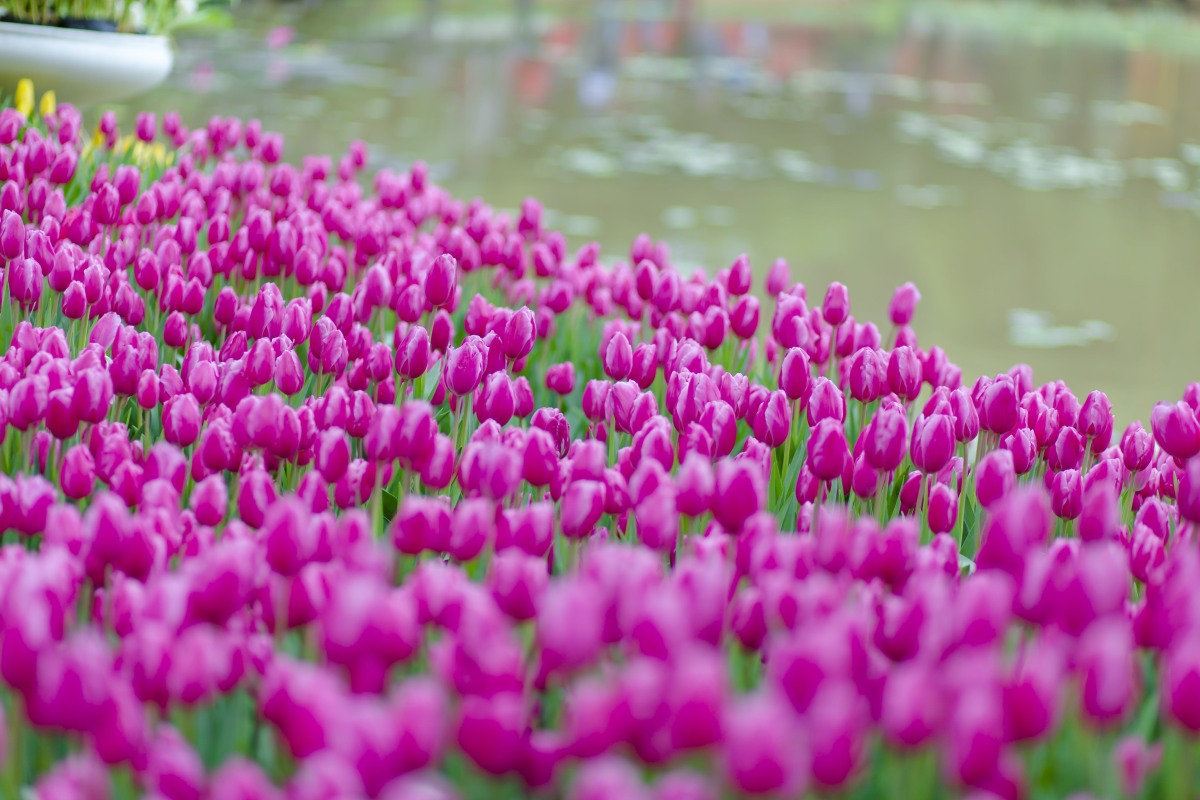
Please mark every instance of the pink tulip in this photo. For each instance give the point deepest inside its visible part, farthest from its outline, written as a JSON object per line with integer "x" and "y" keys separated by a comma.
{"x": 582, "y": 506}
{"x": 932, "y": 443}
{"x": 1176, "y": 430}
{"x": 618, "y": 357}
{"x": 794, "y": 375}
{"x": 560, "y": 378}
{"x": 738, "y": 495}
{"x": 903, "y": 304}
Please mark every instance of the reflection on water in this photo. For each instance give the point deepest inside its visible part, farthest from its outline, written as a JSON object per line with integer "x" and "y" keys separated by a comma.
{"x": 1044, "y": 198}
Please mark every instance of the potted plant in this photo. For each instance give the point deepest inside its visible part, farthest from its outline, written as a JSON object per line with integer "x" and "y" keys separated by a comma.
{"x": 92, "y": 51}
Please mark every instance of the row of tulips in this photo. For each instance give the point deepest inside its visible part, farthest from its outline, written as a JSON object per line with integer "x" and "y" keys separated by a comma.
{"x": 318, "y": 491}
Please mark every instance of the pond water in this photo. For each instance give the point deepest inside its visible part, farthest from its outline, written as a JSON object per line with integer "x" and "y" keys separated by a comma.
{"x": 1043, "y": 197}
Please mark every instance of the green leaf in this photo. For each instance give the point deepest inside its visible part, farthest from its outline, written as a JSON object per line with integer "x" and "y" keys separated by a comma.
{"x": 390, "y": 504}
{"x": 6, "y": 319}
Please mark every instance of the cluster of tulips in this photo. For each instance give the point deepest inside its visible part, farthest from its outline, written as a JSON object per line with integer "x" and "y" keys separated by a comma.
{"x": 313, "y": 491}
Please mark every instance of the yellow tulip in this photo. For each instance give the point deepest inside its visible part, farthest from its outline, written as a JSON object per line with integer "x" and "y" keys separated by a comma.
{"x": 24, "y": 97}
{"x": 48, "y": 104}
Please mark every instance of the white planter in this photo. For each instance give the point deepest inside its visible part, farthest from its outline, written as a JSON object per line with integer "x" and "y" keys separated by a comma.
{"x": 82, "y": 67}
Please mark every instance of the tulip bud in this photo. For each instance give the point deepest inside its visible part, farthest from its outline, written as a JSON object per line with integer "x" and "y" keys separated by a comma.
{"x": 965, "y": 416}
{"x": 886, "y": 439}
{"x": 464, "y": 367}
{"x": 773, "y": 422}
{"x": 943, "y": 508}
{"x": 864, "y": 481}
{"x": 289, "y": 373}
{"x": 760, "y": 752}
{"x": 1137, "y": 447}
{"x": 519, "y": 334}
{"x": 78, "y": 478}
{"x": 441, "y": 280}
{"x": 904, "y": 373}
{"x": 1105, "y": 662}
{"x": 994, "y": 477}
{"x": 582, "y": 507}
{"x": 496, "y": 400}
{"x": 794, "y": 374}
{"x": 828, "y": 452}
{"x": 181, "y": 420}
{"x": 695, "y": 484}
{"x": 836, "y": 307}
{"x": 12, "y": 237}
{"x": 866, "y": 375}
{"x": 932, "y": 442}
{"x": 25, "y": 282}
{"x": 256, "y": 494}
{"x": 412, "y": 356}
{"x": 744, "y": 317}
{"x": 998, "y": 407}
{"x": 739, "y": 494}
{"x": 516, "y": 582}
{"x": 904, "y": 303}
{"x": 645, "y": 365}
{"x": 210, "y": 500}
{"x": 1095, "y": 421}
{"x": 618, "y": 357}
{"x": 1176, "y": 430}
{"x": 1188, "y": 493}
{"x": 1066, "y": 494}
{"x": 825, "y": 401}
{"x": 560, "y": 378}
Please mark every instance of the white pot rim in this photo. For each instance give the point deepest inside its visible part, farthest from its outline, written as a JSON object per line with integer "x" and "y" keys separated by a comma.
{"x": 140, "y": 40}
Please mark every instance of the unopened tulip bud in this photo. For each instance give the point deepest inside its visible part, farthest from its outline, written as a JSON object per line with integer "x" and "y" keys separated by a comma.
{"x": 998, "y": 407}
{"x": 78, "y": 478}
{"x": 1137, "y": 447}
{"x": 1066, "y": 494}
{"x": 582, "y": 507}
{"x": 181, "y": 420}
{"x": 836, "y": 307}
{"x": 794, "y": 373}
{"x": 932, "y": 442}
{"x": 441, "y": 280}
{"x": 739, "y": 494}
{"x": 210, "y": 500}
{"x": 903, "y": 304}
{"x": 412, "y": 355}
{"x": 560, "y": 378}
{"x": 1187, "y": 496}
{"x": 943, "y": 508}
{"x": 886, "y": 439}
{"x": 904, "y": 373}
{"x": 994, "y": 477}
{"x": 1176, "y": 430}
{"x": 618, "y": 357}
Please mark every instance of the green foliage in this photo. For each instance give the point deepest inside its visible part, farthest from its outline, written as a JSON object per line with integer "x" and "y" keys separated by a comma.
{"x": 129, "y": 16}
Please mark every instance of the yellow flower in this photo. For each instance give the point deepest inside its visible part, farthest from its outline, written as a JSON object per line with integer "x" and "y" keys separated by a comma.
{"x": 48, "y": 104}
{"x": 158, "y": 153}
{"x": 24, "y": 97}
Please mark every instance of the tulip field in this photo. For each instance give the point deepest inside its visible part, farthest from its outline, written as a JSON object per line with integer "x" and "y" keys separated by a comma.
{"x": 326, "y": 484}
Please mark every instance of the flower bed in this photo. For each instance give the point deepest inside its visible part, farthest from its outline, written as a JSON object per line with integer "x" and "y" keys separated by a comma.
{"x": 317, "y": 491}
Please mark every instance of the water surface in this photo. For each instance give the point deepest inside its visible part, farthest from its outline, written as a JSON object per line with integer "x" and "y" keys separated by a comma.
{"x": 1043, "y": 197}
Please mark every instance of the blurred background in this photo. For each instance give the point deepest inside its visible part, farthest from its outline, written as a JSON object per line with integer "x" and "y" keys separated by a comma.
{"x": 1032, "y": 167}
